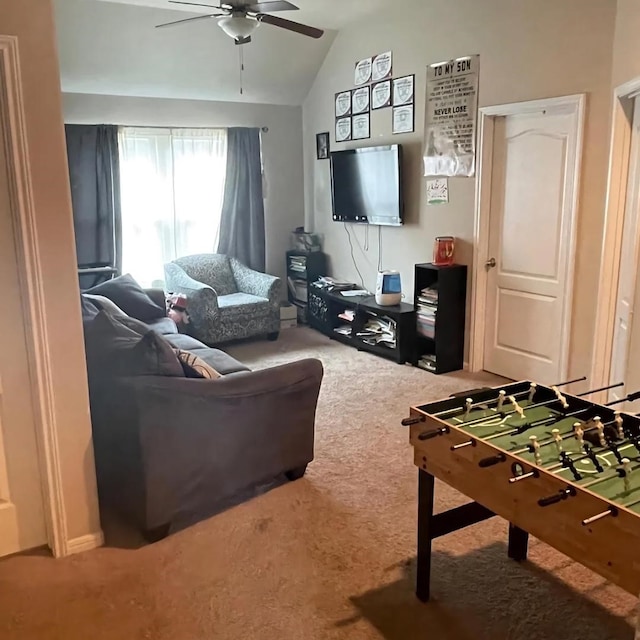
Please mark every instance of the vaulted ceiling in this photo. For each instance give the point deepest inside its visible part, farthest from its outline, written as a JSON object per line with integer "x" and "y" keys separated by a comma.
{"x": 112, "y": 47}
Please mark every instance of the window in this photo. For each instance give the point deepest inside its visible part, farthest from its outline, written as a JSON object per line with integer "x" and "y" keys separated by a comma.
{"x": 172, "y": 187}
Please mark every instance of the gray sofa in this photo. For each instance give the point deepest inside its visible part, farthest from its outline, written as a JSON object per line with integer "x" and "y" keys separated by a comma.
{"x": 171, "y": 450}
{"x": 226, "y": 300}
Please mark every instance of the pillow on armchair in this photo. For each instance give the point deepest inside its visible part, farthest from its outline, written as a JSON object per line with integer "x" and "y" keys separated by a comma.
{"x": 130, "y": 297}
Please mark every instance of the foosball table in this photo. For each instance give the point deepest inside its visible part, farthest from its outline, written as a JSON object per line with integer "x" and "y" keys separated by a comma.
{"x": 556, "y": 466}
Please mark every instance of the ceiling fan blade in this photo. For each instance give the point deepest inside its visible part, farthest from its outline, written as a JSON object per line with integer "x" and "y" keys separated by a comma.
{"x": 196, "y": 4}
{"x": 171, "y": 24}
{"x": 268, "y": 7}
{"x": 303, "y": 29}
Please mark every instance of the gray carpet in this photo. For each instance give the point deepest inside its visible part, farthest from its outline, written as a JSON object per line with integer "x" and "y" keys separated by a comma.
{"x": 329, "y": 556}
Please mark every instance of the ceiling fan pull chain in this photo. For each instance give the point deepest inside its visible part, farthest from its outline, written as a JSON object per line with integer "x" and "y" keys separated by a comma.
{"x": 241, "y": 56}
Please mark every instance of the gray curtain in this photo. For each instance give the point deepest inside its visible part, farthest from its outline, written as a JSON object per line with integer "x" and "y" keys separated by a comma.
{"x": 242, "y": 222}
{"x": 94, "y": 172}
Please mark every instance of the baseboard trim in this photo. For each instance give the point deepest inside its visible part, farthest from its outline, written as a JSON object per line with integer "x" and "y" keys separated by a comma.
{"x": 85, "y": 543}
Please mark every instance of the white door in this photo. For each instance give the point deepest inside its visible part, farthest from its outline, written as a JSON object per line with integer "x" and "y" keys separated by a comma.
{"x": 626, "y": 332}
{"x": 22, "y": 524}
{"x": 530, "y": 239}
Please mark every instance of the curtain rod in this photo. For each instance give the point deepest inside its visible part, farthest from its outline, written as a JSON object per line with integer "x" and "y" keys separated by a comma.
{"x": 158, "y": 126}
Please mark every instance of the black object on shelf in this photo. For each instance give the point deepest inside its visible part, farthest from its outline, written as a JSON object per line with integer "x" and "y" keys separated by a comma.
{"x": 440, "y": 299}
{"x": 303, "y": 268}
{"x": 362, "y": 323}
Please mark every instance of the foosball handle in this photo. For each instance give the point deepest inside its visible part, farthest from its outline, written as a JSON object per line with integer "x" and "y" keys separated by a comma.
{"x": 491, "y": 461}
{"x": 427, "y": 435}
{"x": 407, "y": 422}
{"x": 563, "y": 494}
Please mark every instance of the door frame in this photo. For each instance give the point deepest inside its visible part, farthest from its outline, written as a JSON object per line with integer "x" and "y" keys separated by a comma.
{"x": 616, "y": 201}
{"x": 484, "y": 175}
{"x": 12, "y": 119}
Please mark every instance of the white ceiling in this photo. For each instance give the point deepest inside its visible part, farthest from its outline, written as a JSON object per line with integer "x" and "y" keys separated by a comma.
{"x": 111, "y": 47}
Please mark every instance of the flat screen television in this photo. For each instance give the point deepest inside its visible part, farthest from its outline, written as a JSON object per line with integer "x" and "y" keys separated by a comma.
{"x": 366, "y": 185}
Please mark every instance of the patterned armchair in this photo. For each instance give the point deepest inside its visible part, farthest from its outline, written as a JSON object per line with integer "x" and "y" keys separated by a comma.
{"x": 226, "y": 300}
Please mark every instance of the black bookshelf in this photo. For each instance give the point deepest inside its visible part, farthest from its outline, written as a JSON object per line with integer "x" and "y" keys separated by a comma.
{"x": 328, "y": 312}
{"x": 440, "y": 321}
{"x": 303, "y": 268}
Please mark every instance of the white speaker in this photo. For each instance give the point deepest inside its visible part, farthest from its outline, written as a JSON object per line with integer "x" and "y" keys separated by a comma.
{"x": 388, "y": 288}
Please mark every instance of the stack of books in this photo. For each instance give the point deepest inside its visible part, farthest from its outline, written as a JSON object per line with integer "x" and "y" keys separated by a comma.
{"x": 426, "y": 308}
{"x": 379, "y": 331}
{"x": 298, "y": 264}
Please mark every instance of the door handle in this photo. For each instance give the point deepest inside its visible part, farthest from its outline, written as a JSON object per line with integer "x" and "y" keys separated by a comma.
{"x": 490, "y": 263}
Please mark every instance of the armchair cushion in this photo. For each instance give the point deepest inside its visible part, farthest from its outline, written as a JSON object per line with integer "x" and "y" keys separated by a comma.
{"x": 211, "y": 269}
{"x": 130, "y": 297}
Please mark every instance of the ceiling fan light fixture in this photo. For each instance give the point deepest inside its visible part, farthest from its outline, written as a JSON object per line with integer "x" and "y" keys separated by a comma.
{"x": 238, "y": 26}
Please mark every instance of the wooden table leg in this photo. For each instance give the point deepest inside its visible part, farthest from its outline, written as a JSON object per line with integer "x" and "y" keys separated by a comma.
{"x": 518, "y": 543}
{"x": 426, "y": 483}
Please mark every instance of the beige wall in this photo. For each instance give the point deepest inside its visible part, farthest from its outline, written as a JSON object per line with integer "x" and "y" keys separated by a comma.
{"x": 282, "y": 147}
{"x": 32, "y": 22}
{"x": 626, "y": 53}
{"x": 529, "y": 49}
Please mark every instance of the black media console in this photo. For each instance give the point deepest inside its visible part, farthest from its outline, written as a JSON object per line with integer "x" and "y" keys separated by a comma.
{"x": 362, "y": 323}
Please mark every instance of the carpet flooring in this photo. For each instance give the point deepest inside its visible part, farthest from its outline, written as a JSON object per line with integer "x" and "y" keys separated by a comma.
{"x": 330, "y": 556}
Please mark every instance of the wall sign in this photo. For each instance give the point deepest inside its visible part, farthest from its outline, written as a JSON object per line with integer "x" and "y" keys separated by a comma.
{"x": 343, "y": 129}
{"x": 382, "y": 67}
{"x": 452, "y": 108}
{"x": 361, "y": 127}
{"x": 363, "y": 72}
{"x": 360, "y": 99}
{"x": 438, "y": 191}
{"x": 381, "y": 95}
{"x": 343, "y": 104}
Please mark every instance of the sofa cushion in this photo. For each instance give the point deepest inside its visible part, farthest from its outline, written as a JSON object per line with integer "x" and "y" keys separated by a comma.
{"x": 195, "y": 367}
{"x": 183, "y": 341}
{"x": 130, "y": 297}
{"x": 212, "y": 269}
{"x": 163, "y": 326}
{"x": 222, "y": 362}
{"x": 113, "y": 349}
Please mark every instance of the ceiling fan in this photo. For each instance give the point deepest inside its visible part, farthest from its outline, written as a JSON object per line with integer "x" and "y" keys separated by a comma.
{"x": 239, "y": 21}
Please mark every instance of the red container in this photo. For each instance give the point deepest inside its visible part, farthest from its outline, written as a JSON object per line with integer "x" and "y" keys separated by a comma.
{"x": 443, "y": 251}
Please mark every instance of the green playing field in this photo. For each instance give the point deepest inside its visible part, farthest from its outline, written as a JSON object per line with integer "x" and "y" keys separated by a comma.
{"x": 611, "y": 485}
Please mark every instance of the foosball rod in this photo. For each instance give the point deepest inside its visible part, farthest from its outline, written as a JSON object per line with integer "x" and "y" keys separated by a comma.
{"x": 502, "y": 394}
{"x": 611, "y": 511}
{"x": 553, "y": 419}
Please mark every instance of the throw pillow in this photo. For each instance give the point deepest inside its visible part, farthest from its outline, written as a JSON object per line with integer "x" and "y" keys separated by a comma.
{"x": 89, "y": 310}
{"x": 130, "y": 297}
{"x": 103, "y": 303}
{"x": 113, "y": 349}
{"x": 195, "y": 367}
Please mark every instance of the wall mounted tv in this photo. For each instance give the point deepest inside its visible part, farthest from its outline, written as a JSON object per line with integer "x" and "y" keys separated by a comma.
{"x": 366, "y": 185}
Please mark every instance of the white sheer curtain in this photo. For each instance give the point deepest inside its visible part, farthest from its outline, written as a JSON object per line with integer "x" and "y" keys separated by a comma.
{"x": 172, "y": 187}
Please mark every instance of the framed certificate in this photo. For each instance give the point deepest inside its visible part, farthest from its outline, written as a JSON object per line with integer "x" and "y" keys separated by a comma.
{"x": 343, "y": 129}
{"x": 363, "y": 72}
{"x": 403, "y": 90}
{"x": 381, "y": 95}
{"x": 403, "y": 119}
{"x": 343, "y": 104}
{"x": 361, "y": 128}
{"x": 382, "y": 67}
{"x": 360, "y": 99}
